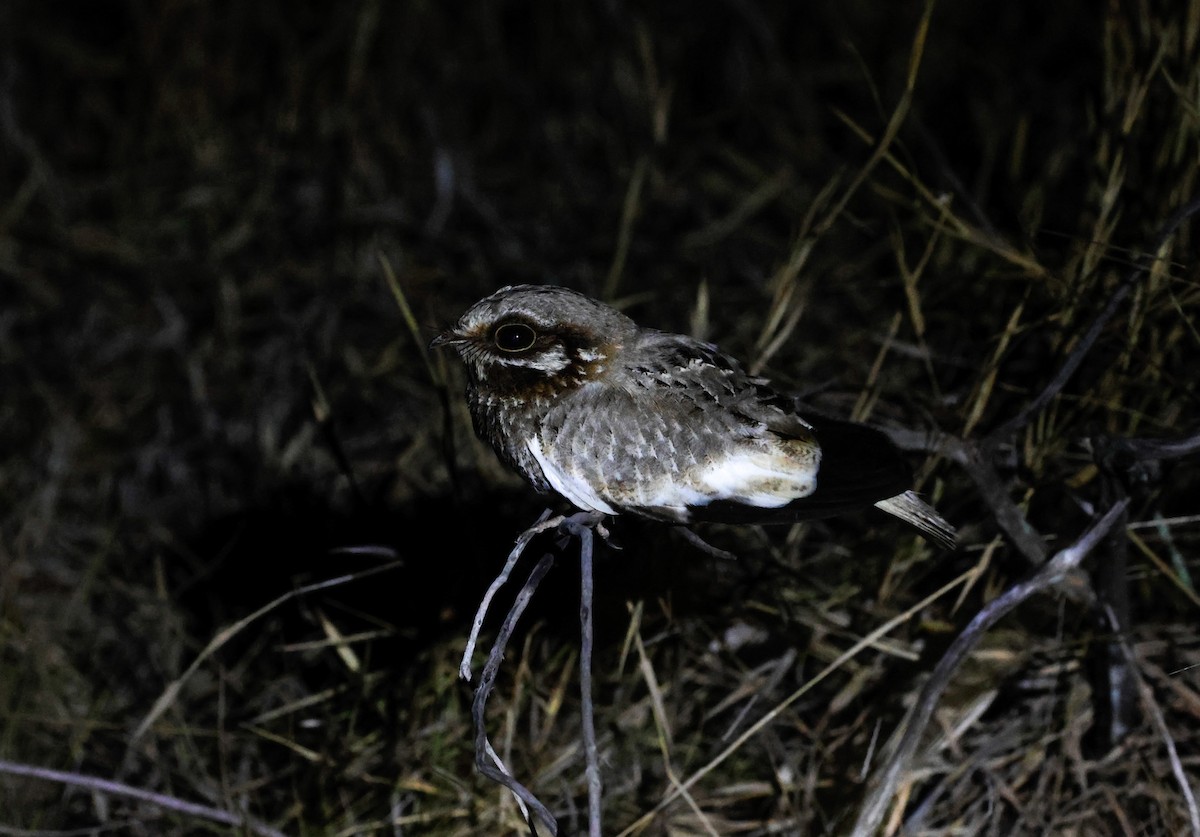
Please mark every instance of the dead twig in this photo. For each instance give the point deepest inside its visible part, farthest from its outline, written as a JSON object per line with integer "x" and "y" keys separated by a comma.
{"x": 543, "y": 523}
{"x": 580, "y": 525}
{"x": 1160, "y": 724}
{"x": 486, "y": 758}
{"x": 1065, "y": 562}
{"x": 868, "y": 641}
{"x": 162, "y": 800}
{"x": 583, "y": 530}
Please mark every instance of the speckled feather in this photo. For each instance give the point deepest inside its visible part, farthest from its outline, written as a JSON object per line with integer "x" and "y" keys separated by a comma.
{"x": 623, "y": 419}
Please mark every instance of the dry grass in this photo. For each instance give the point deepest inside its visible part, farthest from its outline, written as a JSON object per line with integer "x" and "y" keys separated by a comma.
{"x": 208, "y": 387}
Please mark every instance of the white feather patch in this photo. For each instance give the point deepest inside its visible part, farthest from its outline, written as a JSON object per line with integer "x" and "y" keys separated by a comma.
{"x": 760, "y": 479}
{"x": 574, "y": 489}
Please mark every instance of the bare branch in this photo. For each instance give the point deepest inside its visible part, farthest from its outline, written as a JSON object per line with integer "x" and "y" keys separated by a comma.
{"x": 108, "y": 786}
{"x": 879, "y": 798}
{"x": 486, "y": 760}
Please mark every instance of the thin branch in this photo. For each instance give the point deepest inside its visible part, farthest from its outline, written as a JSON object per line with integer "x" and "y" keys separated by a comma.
{"x": 1008, "y": 515}
{"x": 1145, "y": 450}
{"x": 1160, "y": 724}
{"x": 542, "y": 524}
{"x": 580, "y": 525}
{"x": 879, "y": 799}
{"x": 108, "y": 786}
{"x": 587, "y": 710}
{"x": 866, "y": 642}
{"x": 484, "y": 754}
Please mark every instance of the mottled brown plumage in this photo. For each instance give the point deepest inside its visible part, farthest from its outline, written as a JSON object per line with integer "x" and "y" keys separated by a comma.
{"x": 616, "y": 418}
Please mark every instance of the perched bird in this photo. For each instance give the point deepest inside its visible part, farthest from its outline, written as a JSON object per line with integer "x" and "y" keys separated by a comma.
{"x": 620, "y": 419}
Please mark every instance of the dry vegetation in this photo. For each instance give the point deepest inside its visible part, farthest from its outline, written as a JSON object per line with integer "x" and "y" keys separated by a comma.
{"x": 209, "y": 390}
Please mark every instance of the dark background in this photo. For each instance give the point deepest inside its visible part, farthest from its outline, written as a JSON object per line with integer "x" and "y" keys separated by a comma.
{"x": 209, "y": 387}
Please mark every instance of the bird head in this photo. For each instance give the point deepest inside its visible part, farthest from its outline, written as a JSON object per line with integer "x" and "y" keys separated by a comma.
{"x": 536, "y": 337}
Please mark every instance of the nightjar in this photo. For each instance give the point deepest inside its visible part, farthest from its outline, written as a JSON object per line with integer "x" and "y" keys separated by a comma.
{"x": 620, "y": 419}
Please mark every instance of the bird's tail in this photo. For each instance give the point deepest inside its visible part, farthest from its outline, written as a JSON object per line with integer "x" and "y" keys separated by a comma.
{"x": 913, "y": 510}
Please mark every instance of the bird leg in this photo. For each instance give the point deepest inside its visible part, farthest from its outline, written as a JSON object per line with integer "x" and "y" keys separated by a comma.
{"x": 703, "y": 545}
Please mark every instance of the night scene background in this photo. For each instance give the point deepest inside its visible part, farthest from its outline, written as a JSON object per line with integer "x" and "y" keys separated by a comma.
{"x": 244, "y": 522}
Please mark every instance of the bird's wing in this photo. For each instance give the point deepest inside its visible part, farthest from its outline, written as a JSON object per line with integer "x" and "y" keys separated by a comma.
{"x": 858, "y": 465}
{"x": 817, "y": 466}
{"x": 673, "y": 365}
{"x": 679, "y": 425}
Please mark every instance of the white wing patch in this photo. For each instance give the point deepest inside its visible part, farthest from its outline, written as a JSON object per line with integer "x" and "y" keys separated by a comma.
{"x": 760, "y": 478}
{"x": 577, "y": 491}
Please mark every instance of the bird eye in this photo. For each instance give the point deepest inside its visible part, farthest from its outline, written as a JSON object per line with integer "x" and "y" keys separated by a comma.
{"x": 514, "y": 337}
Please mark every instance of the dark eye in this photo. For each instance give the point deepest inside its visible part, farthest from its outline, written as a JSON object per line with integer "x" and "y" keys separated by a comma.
{"x": 514, "y": 337}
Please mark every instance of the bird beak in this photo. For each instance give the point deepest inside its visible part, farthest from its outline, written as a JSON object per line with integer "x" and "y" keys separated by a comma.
{"x": 449, "y": 337}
